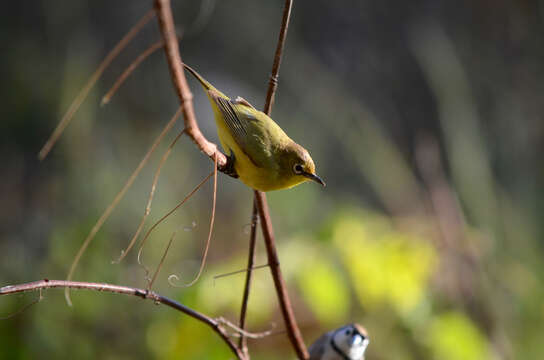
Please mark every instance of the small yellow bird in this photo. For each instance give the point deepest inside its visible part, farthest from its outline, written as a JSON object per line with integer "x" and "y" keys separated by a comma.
{"x": 259, "y": 151}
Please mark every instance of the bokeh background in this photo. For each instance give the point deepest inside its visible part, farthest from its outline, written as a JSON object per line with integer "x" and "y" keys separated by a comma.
{"x": 424, "y": 117}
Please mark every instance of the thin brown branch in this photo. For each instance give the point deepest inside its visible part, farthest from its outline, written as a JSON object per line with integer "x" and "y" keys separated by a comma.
{"x": 74, "y": 106}
{"x": 159, "y": 267}
{"x": 133, "y": 65}
{"x": 242, "y": 343}
{"x": 126, "y": 290}
{"x": 210, "y": 231}
{"x": 116, "y": 201}
{"x": 147, "y": 210}
{"x": 158, "y": 222}
{"x": 273, "y": 82}
{"x": 24, "y": 308}
{"x": 241, "y": 332}
{"x": 281, "y": 289}
{"x": 167, "y": 28}
{"x": 244, "y": 270}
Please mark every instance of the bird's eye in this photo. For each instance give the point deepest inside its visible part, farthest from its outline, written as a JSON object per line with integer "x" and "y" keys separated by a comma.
{"x": 348, "y": 332}
{"x": 297, "y": 169}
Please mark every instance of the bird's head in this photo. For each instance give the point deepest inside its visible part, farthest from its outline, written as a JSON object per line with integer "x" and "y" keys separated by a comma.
{"x": 351, "y": 340}
{"x": 299, "y": 166}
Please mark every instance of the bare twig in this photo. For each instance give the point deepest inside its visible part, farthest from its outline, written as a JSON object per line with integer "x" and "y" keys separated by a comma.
{"x": 133, "y": 65}
{"x": 244, "y": 270}
{"x": 281, "y": 289}
{"x": 116, "y": 201}
{"x": 24, "y": 308}
{"x": 273, "y": 82}
{"x": 144, "y": 240}
{"x": 242, "y": 343}
{"x": 285, "y": 304}
{"x": 210, "y": 231}
{"x": 241, "y": 332}
{"x": 149, "y": 199}
{"x": 74, "y": 106}
{"x": 118, "y": 289}
{"x": 166, "y": 25}
{"x": 159, "y": 267}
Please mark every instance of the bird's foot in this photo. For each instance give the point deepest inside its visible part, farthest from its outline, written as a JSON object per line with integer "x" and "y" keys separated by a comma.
{"x": 229, "y": 169}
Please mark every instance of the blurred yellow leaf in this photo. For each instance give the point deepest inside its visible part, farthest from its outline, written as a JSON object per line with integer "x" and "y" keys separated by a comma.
{"x": 322, "y": 285}
{"x": 452, "y": 336}
{"x": 385, "y": 265}
{"x": 217, "y": 296}
{"x": 161, "y": 336}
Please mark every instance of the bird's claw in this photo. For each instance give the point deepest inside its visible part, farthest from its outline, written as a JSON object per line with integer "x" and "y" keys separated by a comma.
{"x": 228, "y": 168}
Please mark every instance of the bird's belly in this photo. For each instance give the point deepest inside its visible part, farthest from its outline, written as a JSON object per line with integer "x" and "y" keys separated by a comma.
{"x": 262, "y": 179}
{"x": 258, "y": 178}
{"x": 249, "y": 173}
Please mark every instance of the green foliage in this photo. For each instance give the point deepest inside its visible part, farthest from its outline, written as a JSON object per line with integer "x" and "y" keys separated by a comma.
{"x": 386, "y": 266}
{"x": 453, "y": 336}
{"x": 322, "y": 285}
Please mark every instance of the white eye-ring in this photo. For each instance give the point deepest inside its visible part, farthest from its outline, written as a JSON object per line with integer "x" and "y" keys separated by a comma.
{"x": 298, "y": 169}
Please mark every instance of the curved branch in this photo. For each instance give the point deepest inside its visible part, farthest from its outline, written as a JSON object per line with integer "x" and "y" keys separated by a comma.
{"x": 166, "y": 25}
{"x": 242, "y": 343}
{"x": 126, "y": 290}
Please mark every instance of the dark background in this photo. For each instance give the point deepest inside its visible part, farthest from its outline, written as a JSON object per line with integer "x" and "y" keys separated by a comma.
{"x": 423, "y": 117}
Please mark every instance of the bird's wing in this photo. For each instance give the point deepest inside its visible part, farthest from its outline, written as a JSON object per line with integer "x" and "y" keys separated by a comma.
{"x": 247, "y": 127}
{"x": 317, "y": 349}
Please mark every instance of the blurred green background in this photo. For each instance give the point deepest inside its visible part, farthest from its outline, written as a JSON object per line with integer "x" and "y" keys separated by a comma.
{"x": 424, "y": 118}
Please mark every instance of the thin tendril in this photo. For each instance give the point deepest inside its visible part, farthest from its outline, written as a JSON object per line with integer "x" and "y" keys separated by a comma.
{"x": 105, "y": 215}
{"x": 74, "y": 106}
{"x": 162, "y": 261}
{"x": 144, "y": 240}
{"x": 205, "y": 255}
{"x": 133, "y": 65}
{"x": 150, "y": 198}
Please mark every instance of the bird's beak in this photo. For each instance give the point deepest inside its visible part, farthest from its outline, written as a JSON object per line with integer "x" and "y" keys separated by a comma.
{"x": 314, "y": 177}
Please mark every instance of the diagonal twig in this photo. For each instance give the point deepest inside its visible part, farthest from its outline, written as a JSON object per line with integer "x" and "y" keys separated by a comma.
{"x": 241, "y": 332}
{"x": 210, "y": 231}
{"x": 74, "y": 106}
{"x": 118, "y": 289}
{"x": 147, "y": 210}
{"x": 126, "y": 73}
{"x": 171, "y": 47}
{"x": 242, "y": 343}
{"x": 105, "y": 215}
{"x": 158, "y": 222}
{"x": 260, "y": 198}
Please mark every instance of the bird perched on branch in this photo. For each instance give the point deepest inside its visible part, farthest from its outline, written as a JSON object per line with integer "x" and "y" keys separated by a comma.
{"x": 259, "y": 151}
{"x": 346, "y": 343}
